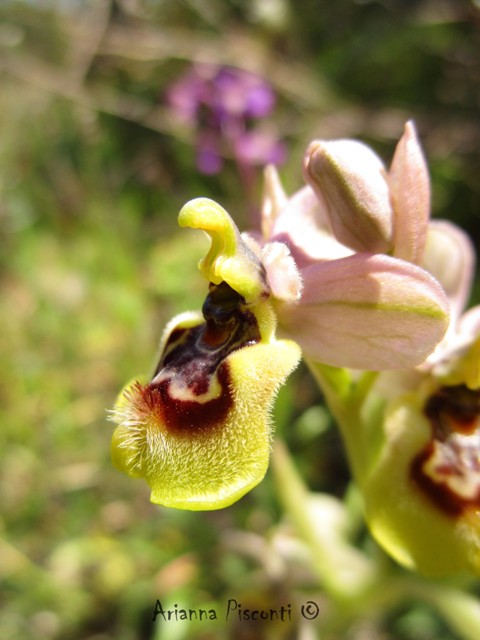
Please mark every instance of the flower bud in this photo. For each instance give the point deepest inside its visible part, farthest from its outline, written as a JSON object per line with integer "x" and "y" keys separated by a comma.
{"x": 351, "y": 180}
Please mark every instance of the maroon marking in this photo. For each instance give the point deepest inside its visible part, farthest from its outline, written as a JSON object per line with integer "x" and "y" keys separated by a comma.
{"x": 187, "y": 416}
{"x": 439, "y": 492}
{"x": 153, "y": 403}
{"x": 451, "y": 410}
{"x": 194, "y": 357}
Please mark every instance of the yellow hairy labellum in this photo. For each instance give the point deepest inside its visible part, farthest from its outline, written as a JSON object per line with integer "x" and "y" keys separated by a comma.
{"x": 199, "y": 432}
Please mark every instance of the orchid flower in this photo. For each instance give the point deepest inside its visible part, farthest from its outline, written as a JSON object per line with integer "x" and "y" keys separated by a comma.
{"x": 199, "y": 429}
{"x": 423, "y": 492}
{"x": 415, "y": 443}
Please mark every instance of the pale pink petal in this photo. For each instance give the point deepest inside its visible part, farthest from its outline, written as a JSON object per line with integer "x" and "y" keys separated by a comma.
{"x": 450, "y": 257}
{"x": 274, "y": 199}
{"x": 367, "y": 312}
{"x": 469, "y": 324}
{"x": 410, "y": 193}
{"x": 302, "y": 225}
{"x": 282, "y": 272}
{"x": 350, "y": 178}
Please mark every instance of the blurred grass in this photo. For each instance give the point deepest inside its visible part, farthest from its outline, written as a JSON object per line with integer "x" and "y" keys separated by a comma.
{"x": 92, "y": 175}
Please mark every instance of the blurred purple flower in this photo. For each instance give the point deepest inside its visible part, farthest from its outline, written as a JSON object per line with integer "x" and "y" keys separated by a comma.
{"x": 222, "y": 104}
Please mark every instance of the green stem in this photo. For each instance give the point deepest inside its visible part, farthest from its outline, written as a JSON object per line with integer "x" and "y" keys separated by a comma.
{"x": 362, "y": 387}
{"x": 345, "y": 400}
{"x": 343, "y": 570}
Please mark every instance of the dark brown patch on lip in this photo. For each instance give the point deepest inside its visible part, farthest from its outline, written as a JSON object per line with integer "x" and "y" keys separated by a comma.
{"x": 193, "y": 359}
{"x": 187, "y": 417}
{"x": 454, "y": 416}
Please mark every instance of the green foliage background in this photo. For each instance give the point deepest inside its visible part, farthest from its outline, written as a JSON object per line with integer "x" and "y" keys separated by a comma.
{"x": 93, "y": 170}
